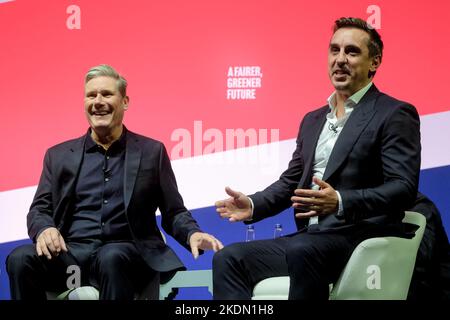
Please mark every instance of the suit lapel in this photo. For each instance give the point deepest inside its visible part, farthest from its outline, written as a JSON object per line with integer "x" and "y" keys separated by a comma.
{"x": 311, "y": 136}
{"x": 70, "y": 169}
{"x": 132, "y": 162}
{"x": 357, "y": 121}
{"x": 72, "y": 163}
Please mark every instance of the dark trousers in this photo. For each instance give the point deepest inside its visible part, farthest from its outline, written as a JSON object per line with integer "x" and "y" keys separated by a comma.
{"x": 115, "y": 268}
{"x": 311, "y": 260}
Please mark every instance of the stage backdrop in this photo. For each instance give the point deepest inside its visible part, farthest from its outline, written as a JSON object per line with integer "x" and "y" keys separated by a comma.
{"x": 224, "y": 84}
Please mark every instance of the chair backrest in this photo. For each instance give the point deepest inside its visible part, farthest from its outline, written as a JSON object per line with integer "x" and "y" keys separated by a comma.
{"x": 381, "y": 268}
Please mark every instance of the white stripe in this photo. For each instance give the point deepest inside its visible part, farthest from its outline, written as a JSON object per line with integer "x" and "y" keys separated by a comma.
{"x": 14, "y": 206}
{"x": 201, "y": 180}
{"x": 435, "y": 130}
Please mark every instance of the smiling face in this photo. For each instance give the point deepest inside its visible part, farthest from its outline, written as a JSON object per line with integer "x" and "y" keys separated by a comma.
{"x": 104, "y": 106}
{"x": 349, "y": 62}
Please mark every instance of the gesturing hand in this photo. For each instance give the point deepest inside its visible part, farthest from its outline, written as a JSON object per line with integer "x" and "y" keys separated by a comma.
{"x": 236, "y": 208}
{"x": 315, "y": 202}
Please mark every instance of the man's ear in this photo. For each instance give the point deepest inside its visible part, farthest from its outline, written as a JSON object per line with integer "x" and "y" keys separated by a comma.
{"x": 126, "y": 101}
{"x": 375, "y": 63}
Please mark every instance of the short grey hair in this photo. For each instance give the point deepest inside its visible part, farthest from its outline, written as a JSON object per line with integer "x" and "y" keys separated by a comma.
{"x": 104, "y": 70}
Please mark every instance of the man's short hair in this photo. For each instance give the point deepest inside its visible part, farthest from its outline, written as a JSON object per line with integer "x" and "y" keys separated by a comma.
{"x": 375, "y": 44}
{"x": 105, "y": 70}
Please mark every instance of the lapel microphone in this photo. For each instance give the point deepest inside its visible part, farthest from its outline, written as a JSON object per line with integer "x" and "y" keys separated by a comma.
{"x": 332, "y": 127}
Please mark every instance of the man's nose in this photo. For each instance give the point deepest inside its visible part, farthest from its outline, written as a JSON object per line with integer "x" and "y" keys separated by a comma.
{"x": 341, "y": 58}
{"x": 98, "y": 99}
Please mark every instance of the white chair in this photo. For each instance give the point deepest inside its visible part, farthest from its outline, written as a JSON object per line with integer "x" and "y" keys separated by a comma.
{"x": 378, "y": 269}
{"x": 181, "y": 279}
{"x": 150, "y": 292}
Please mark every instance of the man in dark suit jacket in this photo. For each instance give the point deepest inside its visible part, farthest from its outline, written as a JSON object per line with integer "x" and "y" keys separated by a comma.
{"x": 353, "y": 173}
{"x": 431, "y": 277}
{"x": 95, "y": 207}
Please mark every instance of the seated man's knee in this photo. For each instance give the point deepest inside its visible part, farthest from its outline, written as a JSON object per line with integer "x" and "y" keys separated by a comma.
{"x": 296, "y": 250}
{"x": 109, "y": 258}
{"x": 228, "y": 254}
{"x": 20, "y": 258}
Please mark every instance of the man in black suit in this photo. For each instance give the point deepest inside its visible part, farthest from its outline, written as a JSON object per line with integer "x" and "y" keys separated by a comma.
{"x": 95, "y": 207}
{"x": 353, "y": 173}
{"x": 431, "y": 277}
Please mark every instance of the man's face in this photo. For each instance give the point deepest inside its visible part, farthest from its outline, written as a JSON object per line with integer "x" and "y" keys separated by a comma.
{"x": 348, "y": 60}
{"x": 104, "y": 105}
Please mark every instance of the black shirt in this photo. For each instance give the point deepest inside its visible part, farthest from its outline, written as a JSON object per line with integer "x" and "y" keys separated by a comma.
{"x": 99, "y": 210}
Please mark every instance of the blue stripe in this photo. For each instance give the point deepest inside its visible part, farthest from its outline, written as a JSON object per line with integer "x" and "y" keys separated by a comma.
{"x": 435, "y": 183}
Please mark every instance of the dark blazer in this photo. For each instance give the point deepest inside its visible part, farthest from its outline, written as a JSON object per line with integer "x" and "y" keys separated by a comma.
{"x": 431, "y": 277}
{"x": 149, "y": 183}
{"x": 374, "y": 164}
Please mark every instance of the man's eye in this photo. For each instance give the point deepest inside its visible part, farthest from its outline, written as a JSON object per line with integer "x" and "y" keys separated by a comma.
{"x": 352, "y": 52}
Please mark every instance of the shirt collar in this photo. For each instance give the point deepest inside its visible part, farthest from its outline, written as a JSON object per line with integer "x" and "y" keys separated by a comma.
{"x": 119, "y": 144}
{"x": 352, "y": 100}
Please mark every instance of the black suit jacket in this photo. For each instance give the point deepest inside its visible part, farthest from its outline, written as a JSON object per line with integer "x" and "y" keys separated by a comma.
{"x": 374, "y": 164}
{"x": 431, "y": 277}
{"x": 149, "y": 183}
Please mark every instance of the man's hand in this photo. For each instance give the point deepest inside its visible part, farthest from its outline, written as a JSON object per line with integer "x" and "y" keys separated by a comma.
{"x": 318, "y": 202}
{"x": 203, "y": 241}
{"x": 236, "y": 208}
{"x": 50, "y": 243}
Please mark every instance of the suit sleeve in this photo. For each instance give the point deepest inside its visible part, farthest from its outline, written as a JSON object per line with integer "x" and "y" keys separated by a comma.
{"x": 400, "y": 156}
{"x": 277, "y": 197}
{"x": 176, "y": 220}
{"x": 40, "y": 216}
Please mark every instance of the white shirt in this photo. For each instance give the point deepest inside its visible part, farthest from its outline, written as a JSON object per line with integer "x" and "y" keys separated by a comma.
{"x": 328, "y": 137}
